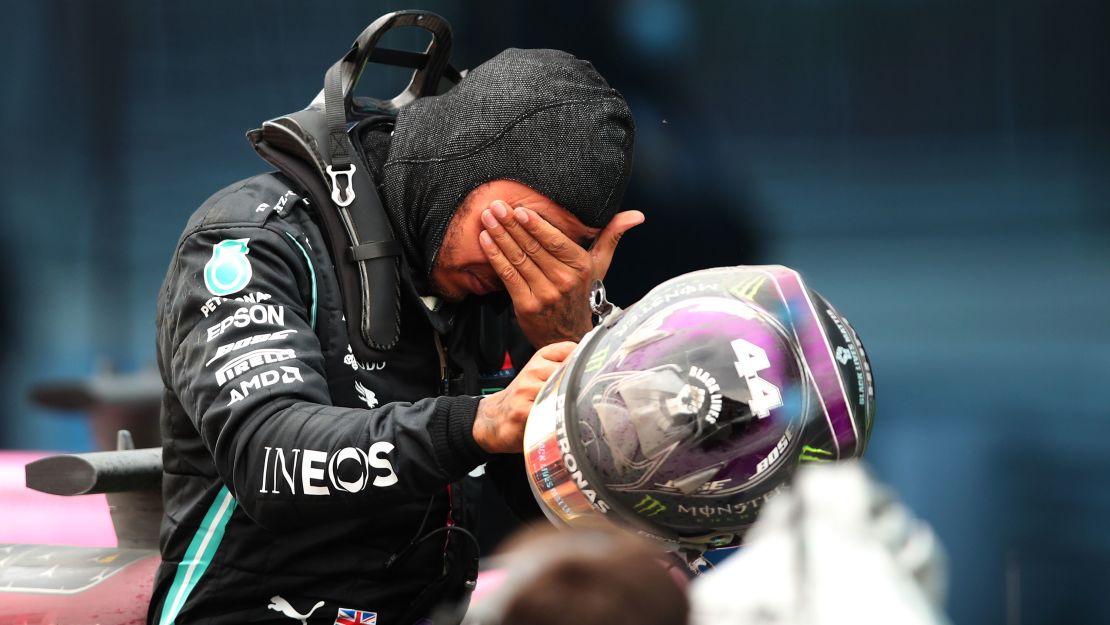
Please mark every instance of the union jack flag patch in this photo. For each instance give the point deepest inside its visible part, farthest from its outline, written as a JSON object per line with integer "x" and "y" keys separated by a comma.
{"x": 356, "y": 617}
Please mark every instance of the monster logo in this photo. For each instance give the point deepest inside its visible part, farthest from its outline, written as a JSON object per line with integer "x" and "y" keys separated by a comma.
{"x": 649, "y": 506}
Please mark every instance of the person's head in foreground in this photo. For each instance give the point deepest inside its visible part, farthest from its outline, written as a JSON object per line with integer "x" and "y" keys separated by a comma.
{"x": 585, "y": 577}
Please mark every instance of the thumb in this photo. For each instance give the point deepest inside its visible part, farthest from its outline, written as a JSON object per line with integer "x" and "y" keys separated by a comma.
{"x": 602, "y": 252}
{"x": 557, "y": 352}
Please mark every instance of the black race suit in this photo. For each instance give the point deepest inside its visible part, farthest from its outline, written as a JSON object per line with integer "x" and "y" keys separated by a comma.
{"x": 293, "y": 472}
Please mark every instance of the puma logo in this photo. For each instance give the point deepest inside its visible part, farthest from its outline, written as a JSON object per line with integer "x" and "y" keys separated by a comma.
{"x": 278, "y": 604}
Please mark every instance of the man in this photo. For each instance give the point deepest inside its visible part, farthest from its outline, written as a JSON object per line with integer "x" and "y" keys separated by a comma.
{"x": 303, "y": 484}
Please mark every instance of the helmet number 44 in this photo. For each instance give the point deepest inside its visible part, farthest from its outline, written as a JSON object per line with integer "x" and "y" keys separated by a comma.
{"x": 750, "y": 360}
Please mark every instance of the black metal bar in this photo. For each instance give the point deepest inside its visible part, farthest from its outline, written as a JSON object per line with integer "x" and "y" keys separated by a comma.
{"x": 399, "y": 58}
{"x": 97, "y": 472}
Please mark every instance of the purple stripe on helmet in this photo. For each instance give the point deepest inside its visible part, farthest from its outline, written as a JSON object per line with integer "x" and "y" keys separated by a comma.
{"x": 819, "y": 358}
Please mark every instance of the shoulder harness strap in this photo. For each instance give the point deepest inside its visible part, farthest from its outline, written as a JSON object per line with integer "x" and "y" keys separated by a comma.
{"x": 314, "y": 148}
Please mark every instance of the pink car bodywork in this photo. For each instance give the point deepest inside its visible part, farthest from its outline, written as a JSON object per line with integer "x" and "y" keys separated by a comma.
{"x": 38, "y": 518}
{"x": 59, "y": 564}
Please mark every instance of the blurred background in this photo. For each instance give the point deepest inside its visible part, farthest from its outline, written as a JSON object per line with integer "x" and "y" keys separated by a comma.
{"x": 938, "y": 169}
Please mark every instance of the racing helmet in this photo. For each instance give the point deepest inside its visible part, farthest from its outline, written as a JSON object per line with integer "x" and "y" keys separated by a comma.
{"x": 683, "y": 414}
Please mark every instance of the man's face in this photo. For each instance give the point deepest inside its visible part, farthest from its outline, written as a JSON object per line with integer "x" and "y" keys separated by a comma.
{"x": 461, "y": 267}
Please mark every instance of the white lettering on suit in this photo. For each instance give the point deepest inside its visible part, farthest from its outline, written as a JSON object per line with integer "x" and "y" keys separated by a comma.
{"x": 245, "y": 316}
{"x": 227, "y": 348}
{"x": 241, "y": 364}
{"x": 213, "y": 303}
{"x": 319, "y": 470}
{"x": 270, "y": 377}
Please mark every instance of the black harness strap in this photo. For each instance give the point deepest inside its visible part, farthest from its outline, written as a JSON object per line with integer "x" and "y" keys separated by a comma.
{"x": 315, "y": 147}
{"x": 375, "y": 249}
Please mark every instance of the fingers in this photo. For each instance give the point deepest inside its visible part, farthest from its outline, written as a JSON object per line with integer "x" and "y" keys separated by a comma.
{"x": 557, "y": 352}
{"x": 549, "y": 238}
{"x": 541, "y": 372}
{"x": 506, "y": 271}
{"x": 551, "y": 357}
{"x": 523, "y": 262}
{"x": 602, "y": 251}
{"x": 498, "y": 223}
{"x": 499, "y": 423}
{"x": 511, "y": 220}
{"x": 540, "y": 267}
{"x": 547, "y": 359}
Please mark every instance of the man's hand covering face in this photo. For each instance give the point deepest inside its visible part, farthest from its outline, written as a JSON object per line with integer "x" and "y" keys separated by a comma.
{"x": 540, "y": 117}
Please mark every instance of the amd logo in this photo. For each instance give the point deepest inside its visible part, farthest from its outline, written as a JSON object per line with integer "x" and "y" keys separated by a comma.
{"x": 349, "y": 469}
{"x": 270, "y": 377}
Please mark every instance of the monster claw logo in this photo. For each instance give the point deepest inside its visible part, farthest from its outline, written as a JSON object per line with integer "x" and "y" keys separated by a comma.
{"x": 229, "y": 270}
{"x": 598, "y": 359}
{"x": 748, "y": 288}
{"x": 814, "y": 454}
{"x": 649, "y": 506}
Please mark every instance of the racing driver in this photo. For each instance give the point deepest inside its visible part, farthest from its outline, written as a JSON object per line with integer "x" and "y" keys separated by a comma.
{"x": 303, "y": 484}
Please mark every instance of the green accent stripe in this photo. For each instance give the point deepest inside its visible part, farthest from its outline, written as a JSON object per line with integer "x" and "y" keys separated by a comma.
{"x": 199, "y": 554}
{"x": 311, "y": 270}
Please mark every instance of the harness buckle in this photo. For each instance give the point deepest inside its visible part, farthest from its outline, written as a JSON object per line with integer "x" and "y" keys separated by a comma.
{"x": 338, "y": 193}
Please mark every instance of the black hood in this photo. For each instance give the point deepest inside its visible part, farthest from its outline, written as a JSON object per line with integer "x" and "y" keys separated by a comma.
{"x": 540, "y": 117}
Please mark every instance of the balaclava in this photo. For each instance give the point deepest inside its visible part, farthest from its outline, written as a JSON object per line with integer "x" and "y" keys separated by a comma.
{"x": 540, "y": 117}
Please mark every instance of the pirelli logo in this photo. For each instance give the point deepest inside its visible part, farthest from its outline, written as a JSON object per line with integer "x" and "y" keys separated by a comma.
{"x": 241, "y": 364}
